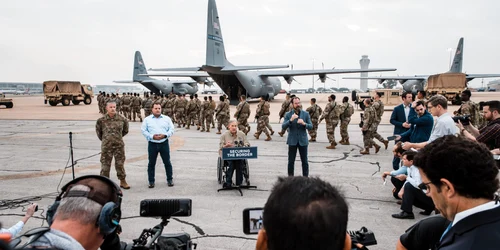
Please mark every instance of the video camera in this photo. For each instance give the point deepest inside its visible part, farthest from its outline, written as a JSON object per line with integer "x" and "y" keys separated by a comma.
{"x": 164, "y": 208}
{"x": 253, "y": 222}
{"x": 464, "y": 119}
{"x": 361, "y": 123}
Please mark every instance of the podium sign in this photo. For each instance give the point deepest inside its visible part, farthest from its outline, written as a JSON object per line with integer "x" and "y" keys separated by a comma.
{"x": 239, "y": 153}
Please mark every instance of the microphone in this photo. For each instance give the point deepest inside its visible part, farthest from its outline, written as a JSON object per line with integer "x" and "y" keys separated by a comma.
{"x": 236, "y": 144}
{"x": 241, "y": 144}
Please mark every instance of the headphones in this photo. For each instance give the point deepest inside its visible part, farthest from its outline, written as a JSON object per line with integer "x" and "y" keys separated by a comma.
{"x": 110, "y": 214}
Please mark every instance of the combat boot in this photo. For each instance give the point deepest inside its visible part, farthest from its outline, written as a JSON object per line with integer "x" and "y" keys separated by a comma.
{"x": 386, "y": 144}
{"x": 124, "y": 185}
{"x": 345, "y": 141}
{"x": 365, "y": 152}
{"x": 218, "y": 132}
{"x": 140, "y": 118}
{"x": 208, "y": 129}
{"x": 256, "y": 135}
{"x": 202, "y": 130}
{"x": 268, "y": 138}
{"x": 312, "y": 139}
{"x": 272, "y": 132}
{"x": 178, "y": 126}
{"x": 332, "y": 146}
{"x": 198, "y": 128}
{"x": 281, "y": 133}
{"x": 188, "y": 126}
{"x": 377, "y": 148}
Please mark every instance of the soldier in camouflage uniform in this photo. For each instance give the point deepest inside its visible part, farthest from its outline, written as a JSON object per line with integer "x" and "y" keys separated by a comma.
{"x": 368, "y": 128}
{"x": 179, "y": 108}
{"x": 118, "y": 104}
{"x": 126, "y": 104}
{"x": 285, "y": 107}
{"x": 378, "y": 106}
{"x": 203, "y": 106}
{"x": 221, "y": 114}
{"x": 99, "y": 104}
{"x": 191, "y": 111}
{"x": 262, "y": 115}
{"x": 228, "y": 114}
{"x": 164, "y": 100}
{"x": 331, "y": 114}
{"x": 136, "y": 106}
{"x": 471, "y": 109}
{"x": 345, "y": 119}
{"x": 314, "y": 111}
{"x": 147, "y": 105}
{"x": 110, "y": 129}
{"x": 198, "y": 116}
{"x": 212, "y": 106}
{"x": 169, "y": 107}
{"x": 242, "y": 113}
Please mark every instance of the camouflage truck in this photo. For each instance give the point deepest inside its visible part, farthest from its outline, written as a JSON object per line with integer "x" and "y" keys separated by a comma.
{"x": 389, "y": 97}
{"x": 5, "y": 101}
{"x": 67, "y": 91}
{"x": 449, "y": 85}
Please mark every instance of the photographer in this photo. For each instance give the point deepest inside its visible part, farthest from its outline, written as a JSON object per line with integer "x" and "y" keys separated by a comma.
{"x": 461, "y": 178}
{"x": 304, "y": 213}
{"x": 490, "y": 134}
{"x": 233, "y": 138}
{"x": 84, "y": 215}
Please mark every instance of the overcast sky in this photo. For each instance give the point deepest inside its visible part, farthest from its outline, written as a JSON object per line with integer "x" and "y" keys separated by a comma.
{"x": 94, "y": 41}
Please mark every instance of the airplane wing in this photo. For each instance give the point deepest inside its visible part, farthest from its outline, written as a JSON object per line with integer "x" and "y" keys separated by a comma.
{"x": 125, "y": 81}
{"x": 400, "y": 78}
{"x": 318, "y": 72}
{"x": 176, "y": 69}
{"x": 194, "y": 74}
{"x": 472, "y": 76}
{"x": 244, "y": 68}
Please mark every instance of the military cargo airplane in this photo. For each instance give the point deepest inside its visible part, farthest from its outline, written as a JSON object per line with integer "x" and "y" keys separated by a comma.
{"x": 157, "y": 86}
{"x": 417, "y": 82}
{"x": 245, "y": 80}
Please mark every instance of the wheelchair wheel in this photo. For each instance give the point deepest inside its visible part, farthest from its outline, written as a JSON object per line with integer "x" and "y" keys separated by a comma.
{"x": 246, "y": 172}
{"x": 219, "y": 170}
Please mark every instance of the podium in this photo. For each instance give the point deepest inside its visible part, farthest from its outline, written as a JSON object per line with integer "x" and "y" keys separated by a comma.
{"x": 239, "y": 153}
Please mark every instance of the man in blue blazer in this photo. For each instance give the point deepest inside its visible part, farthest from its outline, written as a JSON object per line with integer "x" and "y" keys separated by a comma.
{"x": 421, "y": 124}
{"x": 297, "y": 121}
{"x": 399, "y": 118}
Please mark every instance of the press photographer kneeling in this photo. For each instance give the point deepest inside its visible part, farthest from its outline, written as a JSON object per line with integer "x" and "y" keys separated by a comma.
{"x": 490, "y": 134}
{"x": 233, "y": 138}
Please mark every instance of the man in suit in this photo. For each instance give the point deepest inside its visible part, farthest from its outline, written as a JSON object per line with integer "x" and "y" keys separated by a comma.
{"x": 421, "y": 124}
{"x": 461, "y": 178}
{"x": 399, "y": 118}
{"x": 297, "y": 121}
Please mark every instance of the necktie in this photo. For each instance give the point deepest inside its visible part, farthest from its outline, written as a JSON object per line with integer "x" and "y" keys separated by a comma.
{"x": 445, "y": 231}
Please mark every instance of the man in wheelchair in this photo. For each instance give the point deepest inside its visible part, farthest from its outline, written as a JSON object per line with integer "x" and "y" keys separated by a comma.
{"x": 233, "y": 138}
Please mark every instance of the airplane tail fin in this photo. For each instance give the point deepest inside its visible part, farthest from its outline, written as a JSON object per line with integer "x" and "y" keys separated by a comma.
{"x": 456, "y": 65}
{"x": 139, "y": 68}
{"x": 216, "y": 54}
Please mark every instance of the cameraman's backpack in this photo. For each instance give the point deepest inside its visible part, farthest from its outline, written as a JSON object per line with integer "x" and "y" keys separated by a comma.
{"x": 349, "y": 110}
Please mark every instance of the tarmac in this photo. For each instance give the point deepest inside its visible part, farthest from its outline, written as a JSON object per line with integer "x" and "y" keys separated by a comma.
{"x": 35, "y": 152}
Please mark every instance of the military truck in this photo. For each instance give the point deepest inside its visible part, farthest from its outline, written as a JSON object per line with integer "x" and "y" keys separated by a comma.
{"x": 4, "y": 101}
{"x": 389, "y": 97}
{"x": 449, "y": 85}
{"x": 66, "y": 92}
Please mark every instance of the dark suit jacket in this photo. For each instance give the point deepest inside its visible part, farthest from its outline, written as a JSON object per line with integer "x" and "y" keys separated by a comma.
{"x": 421, "y": 127}
{"x": 297, "y": 133}
{"x": 478, "y": 231}
{"x": 398, "y": 117}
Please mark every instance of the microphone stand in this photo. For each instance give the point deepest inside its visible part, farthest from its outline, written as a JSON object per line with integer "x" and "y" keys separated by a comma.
{"x": 71, "y": 152}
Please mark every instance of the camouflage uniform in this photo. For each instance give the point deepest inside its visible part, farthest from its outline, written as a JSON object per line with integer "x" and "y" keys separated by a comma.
{"x": 136, "y": 107}
{"x": 147, "y": 104}
{"x": 262, "y": 114}
{"x": 331, "y": 115}
{"x": 179, "y": 107}
{"x": 285, "y": 107}
{"x": 111, "y": 132}
{"x": 191, "y": 112}
{"x": 99, "y": 103}
{"x": 241, "y": 115}
{"x": 345, "y": 119}
{"x": 378, "y": 107}
{"x": 199, "y": 115}
{"x": 164, "y": 101}
{"x": 472, "y": 109}
{"x": 126, "y": 107}
{"x": 118, "y": 101}
{"x": 368, "y": 129}
{"x": 212, "y": 106}
{"x": 314, "y": 111}
{"x": 208, "y": 115}
{"x": 221, "y": 115}
{"x": 169, "y": 108}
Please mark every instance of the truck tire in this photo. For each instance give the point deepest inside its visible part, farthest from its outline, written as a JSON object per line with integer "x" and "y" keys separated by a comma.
{"x": 65, "y": 102}
{"x": 53, "y": 103}
{"x": 9, "y": 105}
{"x": 75, "y": 102}
{"x": 87, "y": 100}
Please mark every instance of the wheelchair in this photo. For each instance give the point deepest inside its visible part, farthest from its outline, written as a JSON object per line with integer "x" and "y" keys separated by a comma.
{"x": 222, "y": 167}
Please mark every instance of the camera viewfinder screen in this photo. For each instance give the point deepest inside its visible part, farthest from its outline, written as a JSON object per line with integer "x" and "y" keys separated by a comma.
{"x": 255, "y": 217}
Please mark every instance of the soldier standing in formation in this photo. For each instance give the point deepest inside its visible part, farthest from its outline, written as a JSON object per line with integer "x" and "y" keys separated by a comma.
{"x": 208, "y": 115}
{"x": 198, "y": 114}
{"x": 368, "y": 128}
{"x": 136, "y": 107}
{"x": 378, "y": 106}
{"x": 126, "y": 101}
{"x": 110, "y": 129}
{"x": 242, "y": 114}
{"x": 212, "y": 107}
{"x": 331, "y": 114}
{"x": 345, "y": 119}
{"x": 147, "y": 104}
{"x": 285, "y": 107}
{"x": 221, "y": 114}
{"x": 179, "y": 107}
{"x": 262, "y": 115}
{"x": 191, "y": 111}
{"x": 314, "y": 111}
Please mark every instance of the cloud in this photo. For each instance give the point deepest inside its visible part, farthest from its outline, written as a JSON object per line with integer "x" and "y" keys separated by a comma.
{"x": 353, "y": 27}
{"x": 266, "y": 8}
